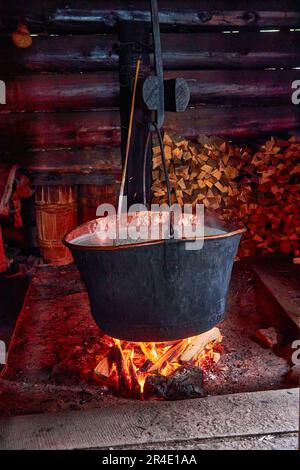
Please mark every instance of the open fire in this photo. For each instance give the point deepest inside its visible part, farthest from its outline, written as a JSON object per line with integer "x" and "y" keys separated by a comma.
{"x": 159, "y": 370}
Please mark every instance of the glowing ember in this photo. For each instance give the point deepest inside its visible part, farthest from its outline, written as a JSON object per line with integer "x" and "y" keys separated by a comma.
{"x": 127, "y": 365}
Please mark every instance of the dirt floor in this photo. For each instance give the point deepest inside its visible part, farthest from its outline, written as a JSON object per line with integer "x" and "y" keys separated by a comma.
{"x": 56, "y": 345}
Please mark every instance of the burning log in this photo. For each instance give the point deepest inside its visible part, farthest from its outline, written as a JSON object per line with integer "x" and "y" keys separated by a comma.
{"x": 149, "y": 351}
{"x": 157, "y": 370}
{"x": 185, "y": 382}
{"x": 127, "y": 383}
{"x": 171, "y": 355}
{"x": 145, "y": 366}
{"x": 195, "y": 348}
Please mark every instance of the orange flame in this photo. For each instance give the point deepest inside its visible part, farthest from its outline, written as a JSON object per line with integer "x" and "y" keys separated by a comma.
{"x": 134, "y": 362}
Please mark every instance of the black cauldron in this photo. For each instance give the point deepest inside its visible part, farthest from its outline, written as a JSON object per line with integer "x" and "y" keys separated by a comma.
{"x": 156, "y": 290}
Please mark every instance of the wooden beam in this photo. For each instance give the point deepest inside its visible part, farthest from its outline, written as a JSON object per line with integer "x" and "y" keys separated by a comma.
{"x": 28, "y": 131}
{"x": 100, "y": 165}
{"x": 79, "y": 16}
{"x": 244, "y": 50}
{"x": 52, "y": 178}
{"x": 60, "y": 54}
{"x": 244, "y": 122}
{"x": 53, "y": 92}
{"x": 239, "y": 87}
{"x": 188, "y": 51}
{"x": 101, "y": 159}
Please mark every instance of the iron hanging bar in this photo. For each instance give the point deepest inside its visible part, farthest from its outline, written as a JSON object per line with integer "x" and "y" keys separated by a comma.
{"x": 158, "y": 64}
{"x": 153, "y": 125}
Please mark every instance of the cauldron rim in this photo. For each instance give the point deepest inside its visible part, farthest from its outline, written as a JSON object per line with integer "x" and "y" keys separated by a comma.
{"x": 230, "y": 231}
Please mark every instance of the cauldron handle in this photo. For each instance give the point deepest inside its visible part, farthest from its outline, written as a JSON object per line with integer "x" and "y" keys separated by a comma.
{"x": 163, "y": 159}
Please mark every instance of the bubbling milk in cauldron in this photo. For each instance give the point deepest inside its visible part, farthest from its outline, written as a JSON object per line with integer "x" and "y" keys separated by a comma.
{"x": 148, "y": 226}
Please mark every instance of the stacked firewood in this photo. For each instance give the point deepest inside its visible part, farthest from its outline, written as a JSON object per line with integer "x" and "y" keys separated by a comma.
{"x": 259, "y": 188}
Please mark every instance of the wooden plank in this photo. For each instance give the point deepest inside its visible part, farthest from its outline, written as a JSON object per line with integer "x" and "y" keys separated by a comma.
{"x": 52, "y": 92}
{"x": 282, "y": 280}
{"x": 204, "y": 50}
{"x": 79, "y": 16}
{"x": 120, "y": 422}
{"x": 27, "y": 131}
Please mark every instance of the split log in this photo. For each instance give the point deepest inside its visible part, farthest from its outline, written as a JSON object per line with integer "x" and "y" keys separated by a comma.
{"x": 145, "y": 366}
{"x": 127, "y": 383}
{"x": 102, "y": 369}
{"x": 172, "y": 353}
{"x": 199, "y": 343}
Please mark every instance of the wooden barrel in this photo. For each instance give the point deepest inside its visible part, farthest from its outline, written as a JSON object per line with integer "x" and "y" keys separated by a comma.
{"x": 90, "y": 196}
{"x": 56, "y": 214}
{"x": 3, "y": 259}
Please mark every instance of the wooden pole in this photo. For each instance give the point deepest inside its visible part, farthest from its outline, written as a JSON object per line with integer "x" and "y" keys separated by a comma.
{"x": 135, "y": 44}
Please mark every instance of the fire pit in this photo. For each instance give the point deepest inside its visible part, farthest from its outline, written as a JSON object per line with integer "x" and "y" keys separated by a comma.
{"x": 159, "y": 370}
{"x": 59, "y": 359}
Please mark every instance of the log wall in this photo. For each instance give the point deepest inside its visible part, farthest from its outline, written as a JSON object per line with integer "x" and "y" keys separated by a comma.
{"x": 61, "y": 119}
